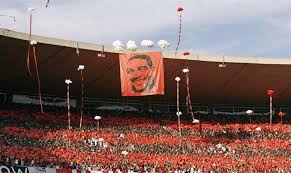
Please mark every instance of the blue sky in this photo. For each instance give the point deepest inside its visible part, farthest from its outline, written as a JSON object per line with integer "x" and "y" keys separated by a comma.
{"x": 213, "y": 27}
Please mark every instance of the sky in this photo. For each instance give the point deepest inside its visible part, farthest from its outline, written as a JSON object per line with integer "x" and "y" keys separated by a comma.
{"x": 260, "y": 28}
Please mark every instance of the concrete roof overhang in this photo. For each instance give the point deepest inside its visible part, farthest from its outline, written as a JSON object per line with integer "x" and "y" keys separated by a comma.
{"x": 243, "y": 81}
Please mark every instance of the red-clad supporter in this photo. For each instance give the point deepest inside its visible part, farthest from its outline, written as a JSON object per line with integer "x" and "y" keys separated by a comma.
{"x": 141, "y": 145}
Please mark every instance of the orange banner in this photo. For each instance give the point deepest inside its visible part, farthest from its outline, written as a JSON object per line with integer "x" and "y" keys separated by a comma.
{"x": 141, "y": 74}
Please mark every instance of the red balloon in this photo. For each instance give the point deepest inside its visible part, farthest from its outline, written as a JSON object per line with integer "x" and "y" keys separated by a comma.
{"x": 180, "y": 9}
{"x": 186, "y": 53}
{"x": 281, "y": 114}
{"x": 270, "y": 92}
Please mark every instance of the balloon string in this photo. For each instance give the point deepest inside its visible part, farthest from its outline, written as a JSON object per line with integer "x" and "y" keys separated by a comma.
{"x": 28, "y": 50}
{"x": 27, "y": 60}
{"x": 188, "y": 98}
{"x": 178, "y": 110}
{"x": 179, "y": 35}
{"x": 38, "y": 80}
{"x": 82, "y": 99}
{"x": 178, "y": 97}
{"x": 68, "y": 102}
{"x": 47, "y": 3}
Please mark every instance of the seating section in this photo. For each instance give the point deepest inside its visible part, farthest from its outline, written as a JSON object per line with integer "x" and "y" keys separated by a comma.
{"x": 141, "y": 144}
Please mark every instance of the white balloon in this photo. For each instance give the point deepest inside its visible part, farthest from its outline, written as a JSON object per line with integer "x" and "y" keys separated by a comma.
{"x": 163, "y": 44}
{"x": 131, "y": 45}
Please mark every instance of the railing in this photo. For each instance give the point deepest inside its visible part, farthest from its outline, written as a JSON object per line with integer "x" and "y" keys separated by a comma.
{"x": 92, "y": 105}
{"x": 47, "y": 100}
{"x": 97, "y": 104}
{"x": 232, "y": 110}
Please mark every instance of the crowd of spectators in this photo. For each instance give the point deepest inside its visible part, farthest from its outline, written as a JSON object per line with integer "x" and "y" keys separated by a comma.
{"x": 140, "y": 144}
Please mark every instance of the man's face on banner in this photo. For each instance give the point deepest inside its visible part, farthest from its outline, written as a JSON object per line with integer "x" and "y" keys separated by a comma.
{"x": 140, "y": 71}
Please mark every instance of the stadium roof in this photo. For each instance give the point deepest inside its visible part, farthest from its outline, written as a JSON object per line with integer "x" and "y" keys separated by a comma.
{"x": 243, "y": 81}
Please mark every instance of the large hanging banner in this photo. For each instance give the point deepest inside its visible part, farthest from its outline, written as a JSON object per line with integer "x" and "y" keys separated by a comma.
{"x": 141, "y": 74}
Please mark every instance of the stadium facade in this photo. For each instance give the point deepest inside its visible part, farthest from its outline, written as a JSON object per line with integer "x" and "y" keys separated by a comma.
{"x": 213, "y": 79}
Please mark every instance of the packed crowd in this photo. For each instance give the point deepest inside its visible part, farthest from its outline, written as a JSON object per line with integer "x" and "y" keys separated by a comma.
{"x": 139, "y": 144}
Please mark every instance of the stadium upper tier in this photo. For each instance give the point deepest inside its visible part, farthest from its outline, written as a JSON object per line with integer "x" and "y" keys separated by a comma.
{"x": 242, "y": 80}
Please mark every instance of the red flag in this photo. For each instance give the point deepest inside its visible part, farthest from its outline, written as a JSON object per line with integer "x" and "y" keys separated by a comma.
{"x": 141, "y": 74}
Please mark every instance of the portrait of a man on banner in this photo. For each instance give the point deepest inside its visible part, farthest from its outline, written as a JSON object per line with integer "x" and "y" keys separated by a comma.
{"x": 141, "y": 74}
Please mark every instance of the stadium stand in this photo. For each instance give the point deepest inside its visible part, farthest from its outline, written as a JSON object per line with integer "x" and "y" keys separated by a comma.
{"x": 140, "y": 134}
{"x": 140, "y": 144}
